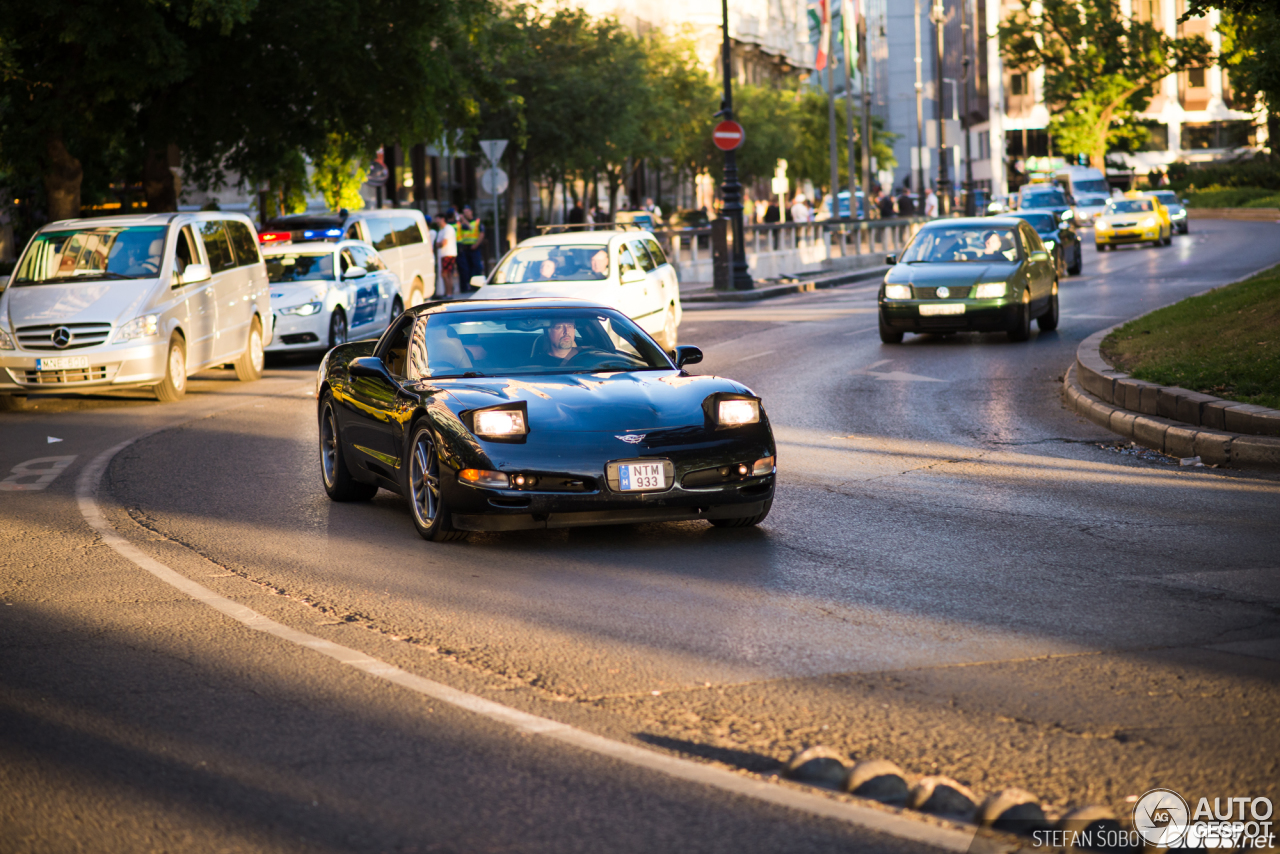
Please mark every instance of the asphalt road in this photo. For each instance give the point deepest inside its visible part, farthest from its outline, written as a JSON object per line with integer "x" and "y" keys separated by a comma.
{"x": 958, "y": 575}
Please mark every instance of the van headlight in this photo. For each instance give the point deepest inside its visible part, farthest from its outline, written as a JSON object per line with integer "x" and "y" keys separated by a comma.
{"x": 990, "y": 290}
{"x": 304, "y": 310}
{"x": 147, "y": 326}
{"x": 6, "y": 343}
{"x": 897, "y": 292}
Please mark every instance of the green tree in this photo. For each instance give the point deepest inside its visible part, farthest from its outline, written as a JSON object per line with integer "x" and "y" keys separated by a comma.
{"x": 1251, "y": 55}
{"x": 1099, "y": 66}
{"x": 339, "y": 171}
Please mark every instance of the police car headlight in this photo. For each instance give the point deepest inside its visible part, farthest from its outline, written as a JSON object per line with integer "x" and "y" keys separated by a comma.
{"x": 990, "y": 290}
{"x": 304, "y": 310}
{"x": 147, "y": 326}
{"x": 897, "y": 292}
{"x": 6, "y": 343}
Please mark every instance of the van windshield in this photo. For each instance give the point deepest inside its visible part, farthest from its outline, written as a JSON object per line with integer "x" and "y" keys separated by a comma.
{"x": 130, "y": 252}
{"x": 1092, "y": 186}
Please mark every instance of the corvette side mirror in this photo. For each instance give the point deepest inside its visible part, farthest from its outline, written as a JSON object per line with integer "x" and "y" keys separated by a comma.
{"x": 686, "y": 355}
{"x": 367, "y": 366}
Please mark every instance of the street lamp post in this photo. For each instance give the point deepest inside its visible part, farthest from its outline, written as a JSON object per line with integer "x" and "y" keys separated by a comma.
{"x": 731, "y": 190}
{"x": 939, "y": 17}
{"x": 970, "y": 204}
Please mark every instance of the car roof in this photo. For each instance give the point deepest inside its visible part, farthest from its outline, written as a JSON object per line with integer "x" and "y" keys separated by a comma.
{"x": 455, "y": 306}
{"x": 582, "y": 238}
{"x": 121, "y": 220}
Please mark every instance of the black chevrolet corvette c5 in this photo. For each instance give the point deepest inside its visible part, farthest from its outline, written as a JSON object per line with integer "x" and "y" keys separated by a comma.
{"x": 544, "y": 413}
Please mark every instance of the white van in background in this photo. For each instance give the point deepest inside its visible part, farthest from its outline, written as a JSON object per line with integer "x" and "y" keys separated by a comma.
{"x": 399, "y": 234}
{"x": 127, "y": 301}
{"x": 1089, "y": 189}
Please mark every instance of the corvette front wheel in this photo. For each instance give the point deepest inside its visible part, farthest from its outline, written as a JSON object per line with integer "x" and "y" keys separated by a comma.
{"x": 426, "y": 501}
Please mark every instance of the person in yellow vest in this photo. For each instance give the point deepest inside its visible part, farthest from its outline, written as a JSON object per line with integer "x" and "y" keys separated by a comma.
{"x": 470, "y": 239}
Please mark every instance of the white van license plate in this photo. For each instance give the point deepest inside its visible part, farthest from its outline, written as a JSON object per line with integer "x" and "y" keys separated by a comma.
{"x": 641, "y": 476}
{"x": 62, "y": 363}
{"x": 945, "y": 308}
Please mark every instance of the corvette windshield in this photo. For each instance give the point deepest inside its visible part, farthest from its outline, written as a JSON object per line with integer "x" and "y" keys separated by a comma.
{"x": 92, "y": 253}
{"x": 554, "y": 263}
{"x": 962, "y": 243}
{"x": 519, "y": 342}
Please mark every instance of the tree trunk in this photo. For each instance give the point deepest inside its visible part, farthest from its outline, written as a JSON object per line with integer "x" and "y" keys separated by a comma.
{"x": 63, "y": 176}
{"x": 159, "y": 183}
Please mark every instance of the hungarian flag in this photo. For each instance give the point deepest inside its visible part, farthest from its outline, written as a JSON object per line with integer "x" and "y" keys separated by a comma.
{"x": 823, "y": 16}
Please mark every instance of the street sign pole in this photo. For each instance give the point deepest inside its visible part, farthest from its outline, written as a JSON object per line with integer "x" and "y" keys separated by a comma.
{"x": 493, "y": 149}
{"x": 731, "y": 190}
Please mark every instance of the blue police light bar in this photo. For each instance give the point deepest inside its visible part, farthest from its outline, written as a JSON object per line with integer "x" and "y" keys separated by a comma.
{"x": 321, "y": 233}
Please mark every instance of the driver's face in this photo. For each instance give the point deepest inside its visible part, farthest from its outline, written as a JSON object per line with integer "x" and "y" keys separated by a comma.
{"x": 562, "y": 335}
{"x": 547, "y": 269}
{"x": 600, "y": 263}
{"x": 993, "y": 243}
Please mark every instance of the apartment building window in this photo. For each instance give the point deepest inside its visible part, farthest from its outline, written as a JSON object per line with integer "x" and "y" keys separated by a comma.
{"x": 1018, "y": 85}
{"x": 1195, "y": 77}
{"x": 1199, "y": 135}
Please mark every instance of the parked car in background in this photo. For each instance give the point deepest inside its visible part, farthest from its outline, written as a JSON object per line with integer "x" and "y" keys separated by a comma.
{"x": 1177, "y": 208}
{"x": 129, "y": 301}
{"x": 1088, "y": 188}
{"x": 1059, "y": 238}
{"x": 399, "y": 234}
{"x": 842, "y": 200}
{"x": 325, "y": 294}
{"x": 620, "y": 268}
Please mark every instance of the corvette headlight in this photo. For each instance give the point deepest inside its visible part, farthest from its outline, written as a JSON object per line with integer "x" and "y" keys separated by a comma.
{"x": 503, "y": 423}
{"x": 6, "y": 343}
{"x": 485, "y": 478}
{"x": 1149, "y": 222}
{"x": 304, "y": 310}
{"x": 897, "y": 292}
{"x": 735, "y": 413}
{"x": 146, "y": 326}
{"x": 990, "y": 290}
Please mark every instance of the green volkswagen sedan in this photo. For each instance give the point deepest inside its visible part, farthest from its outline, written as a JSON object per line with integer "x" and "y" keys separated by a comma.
{"x": 984, "y": 274}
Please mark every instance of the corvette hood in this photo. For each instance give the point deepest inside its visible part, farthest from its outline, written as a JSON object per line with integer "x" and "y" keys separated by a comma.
{"x": 80, "y": 302}
{"x": 951, "y": 275}
{"x": 616, "y": 403}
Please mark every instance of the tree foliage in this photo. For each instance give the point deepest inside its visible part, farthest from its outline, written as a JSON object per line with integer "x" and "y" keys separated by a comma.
{"x": 1100, "y": 67}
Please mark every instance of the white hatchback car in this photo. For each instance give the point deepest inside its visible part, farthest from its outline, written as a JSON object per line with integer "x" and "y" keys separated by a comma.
{"x": 325, "y": 294}
{"x": 626, "y": 270}
{"x": 140, "y": 300}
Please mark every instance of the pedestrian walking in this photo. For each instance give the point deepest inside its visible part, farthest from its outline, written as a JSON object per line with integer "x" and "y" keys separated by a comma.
{"x": 906, "y": 204}
{"x": 653, "y": 209}
{"x": 470, "y": 235}
{"x": 772, "y": 214}
{"x": 447, "y": 249}
{"x": 799, "y": 210}
{"x": 887, "y": 210}
{"x": 930, "y": 204}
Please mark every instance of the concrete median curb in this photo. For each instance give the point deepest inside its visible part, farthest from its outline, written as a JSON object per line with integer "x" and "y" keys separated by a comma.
{"x": 783, "y": 289}
{"x": 1167, "y": 435}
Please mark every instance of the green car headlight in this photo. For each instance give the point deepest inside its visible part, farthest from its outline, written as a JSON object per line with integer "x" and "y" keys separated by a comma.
{"x": 897, "y": 292}
{"x": 990, "y": 290}
{"x": 1049, "y": 244}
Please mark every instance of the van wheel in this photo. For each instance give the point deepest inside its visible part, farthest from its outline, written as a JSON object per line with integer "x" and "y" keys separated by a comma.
{"x": 174, "y": 385}
{"x": 397, "y": 308}
{"x": 416, "y": 298}
{"x": 669, "y": 329}
{"x": 249, "y": 365}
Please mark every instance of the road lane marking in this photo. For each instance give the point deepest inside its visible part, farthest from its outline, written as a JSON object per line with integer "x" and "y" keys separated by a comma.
{"x": 45, "y": 470}
{"x": 894, "y": 376}
{"x": 52, "y": 440}
{"x": 758, "y": 355}
{"x": 947, "y": 838}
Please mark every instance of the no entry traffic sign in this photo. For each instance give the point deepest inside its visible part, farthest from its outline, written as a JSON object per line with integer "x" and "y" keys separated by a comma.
{"x": 728, "y": 135}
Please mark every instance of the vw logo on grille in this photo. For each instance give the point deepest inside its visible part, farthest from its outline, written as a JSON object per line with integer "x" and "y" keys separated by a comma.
{"x": 60, "y": 337}
{"x": 943, "y": 292}
{"x": 633, "y": 438}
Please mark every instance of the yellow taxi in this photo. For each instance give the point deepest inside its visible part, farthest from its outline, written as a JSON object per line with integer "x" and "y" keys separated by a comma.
{"x": 1137, "y": 218}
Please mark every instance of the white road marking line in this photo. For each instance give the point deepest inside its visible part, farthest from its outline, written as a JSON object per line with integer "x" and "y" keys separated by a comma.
{"x": 860, "y": 331}
{"x": 758, "y": 355}
{"x": 955, "y": 839}
{"x": 52, "y": 440}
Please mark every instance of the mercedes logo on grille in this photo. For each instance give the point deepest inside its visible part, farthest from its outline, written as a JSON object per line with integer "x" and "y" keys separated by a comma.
{"x": 60, "y": 337}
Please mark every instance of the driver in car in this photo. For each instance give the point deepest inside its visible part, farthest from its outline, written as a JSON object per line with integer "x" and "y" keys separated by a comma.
{"x": 998, "y": 247}
{"x": 600, "y": 263}
{"x": 558, "y": 344}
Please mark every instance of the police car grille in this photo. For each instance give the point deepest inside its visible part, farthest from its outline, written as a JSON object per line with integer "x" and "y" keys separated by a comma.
{"x": 82, "y": 335}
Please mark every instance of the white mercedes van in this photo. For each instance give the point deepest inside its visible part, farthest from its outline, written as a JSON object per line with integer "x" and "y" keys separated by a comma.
{"x": 129, "y": 301}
